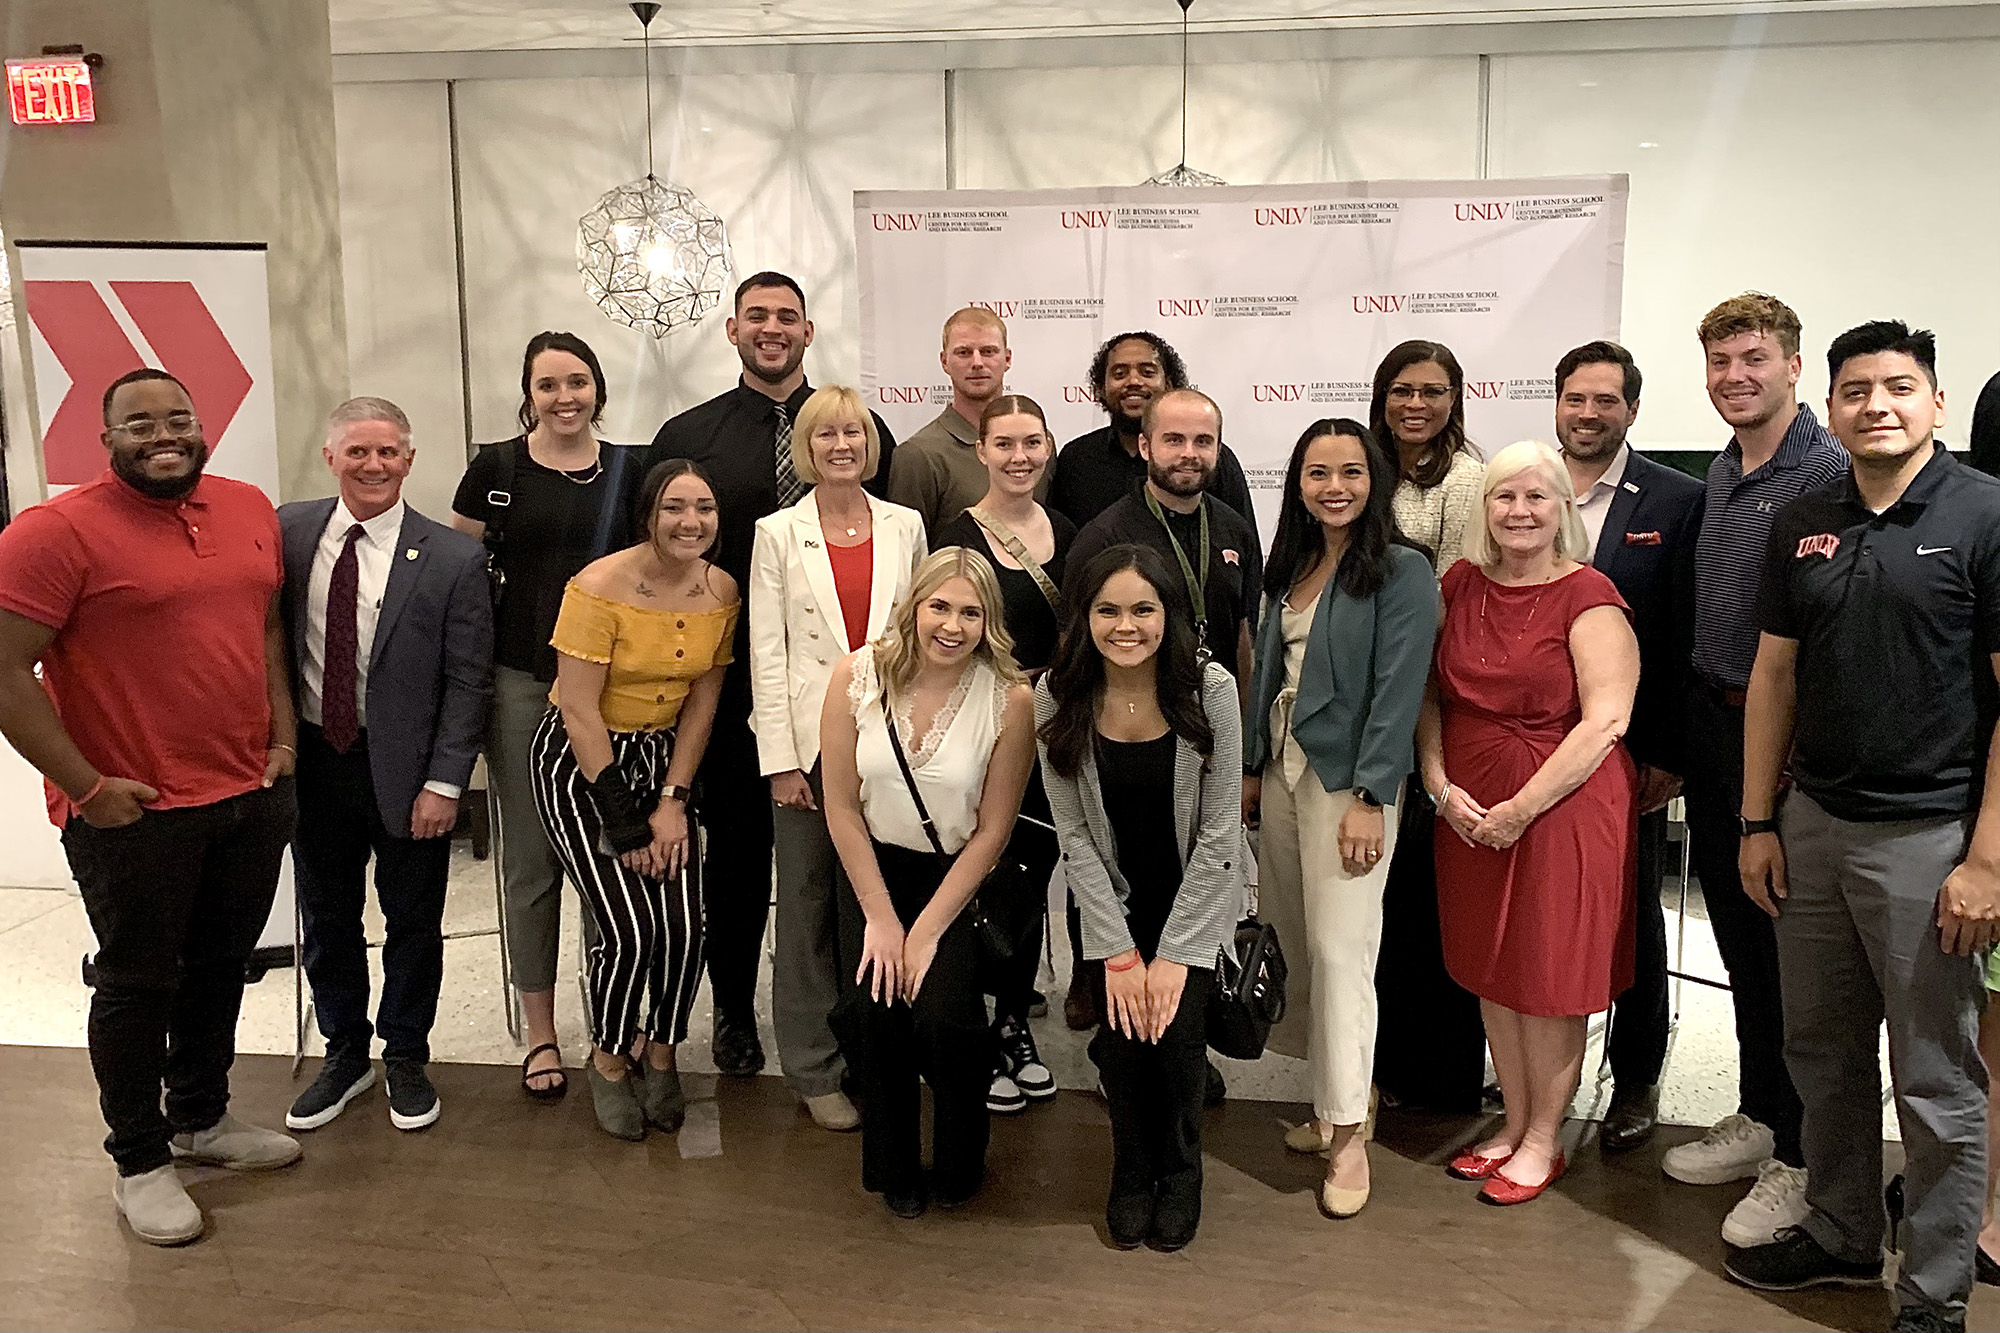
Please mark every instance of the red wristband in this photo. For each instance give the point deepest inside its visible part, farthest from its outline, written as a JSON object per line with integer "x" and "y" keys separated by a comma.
{"x": 91, "y": 795}
{"x": 1110, "y": 966}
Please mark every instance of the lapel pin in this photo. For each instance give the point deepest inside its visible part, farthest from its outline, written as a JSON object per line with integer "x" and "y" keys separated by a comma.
{"x": 410, "y": 554}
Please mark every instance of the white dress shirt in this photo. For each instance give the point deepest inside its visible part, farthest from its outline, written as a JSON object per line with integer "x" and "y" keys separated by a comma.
{"x": 375, "y": 555}
{"x": 1595, "y": 504}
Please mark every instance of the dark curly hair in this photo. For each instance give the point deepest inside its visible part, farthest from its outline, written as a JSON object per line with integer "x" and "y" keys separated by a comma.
{"x": 1171, "y": 364}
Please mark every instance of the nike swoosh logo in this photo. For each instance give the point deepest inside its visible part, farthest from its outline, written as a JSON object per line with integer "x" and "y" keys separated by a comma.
{"x": 1931, "y": 550}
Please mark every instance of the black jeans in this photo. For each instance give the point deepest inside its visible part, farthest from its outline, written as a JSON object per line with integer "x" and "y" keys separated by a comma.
{"x": 1744, "y": 935}
{"x": 339, "y": 826}
{"x": 735, "y": 810}
{"x": 942, "y": 1039}
{"x": 1154, "y": 1091}
{"x": 1430, "y": 1041}
{"x": 1639, "y": 1019}
{"x": 177, "y": 899}
{"x": 1034, "y": 849}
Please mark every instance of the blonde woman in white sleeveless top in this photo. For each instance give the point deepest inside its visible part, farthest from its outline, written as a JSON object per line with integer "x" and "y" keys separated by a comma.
{"x": 963, "y": 718}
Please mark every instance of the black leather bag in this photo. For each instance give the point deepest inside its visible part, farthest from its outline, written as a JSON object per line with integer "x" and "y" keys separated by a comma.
{"x": 1248, "y": 996}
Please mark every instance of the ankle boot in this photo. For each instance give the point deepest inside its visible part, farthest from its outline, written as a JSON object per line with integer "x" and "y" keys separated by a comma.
{"x": 618, "y": 1109}
{"x": 661, "y": 1097}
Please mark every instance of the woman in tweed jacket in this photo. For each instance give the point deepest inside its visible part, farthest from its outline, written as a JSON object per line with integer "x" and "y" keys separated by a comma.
{"x": 1137, "y": 737}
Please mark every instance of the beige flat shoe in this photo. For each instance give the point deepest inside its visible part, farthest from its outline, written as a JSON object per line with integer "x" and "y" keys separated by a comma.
{"x": 1306, "y": 1138}
{"x": 1340, "y": 1204}
{"x": 833, "y": 1111}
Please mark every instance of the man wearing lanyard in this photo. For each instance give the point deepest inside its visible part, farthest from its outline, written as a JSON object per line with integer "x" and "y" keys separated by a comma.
{"x": 743, "y": 439}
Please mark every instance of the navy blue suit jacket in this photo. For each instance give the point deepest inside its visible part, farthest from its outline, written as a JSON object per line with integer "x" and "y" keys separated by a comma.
{"x": 1647, "y": 551}
{"x": 430, "y": 671}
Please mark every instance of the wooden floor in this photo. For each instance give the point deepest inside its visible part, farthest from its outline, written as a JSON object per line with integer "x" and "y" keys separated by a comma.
{"x": 507, "y": 1215}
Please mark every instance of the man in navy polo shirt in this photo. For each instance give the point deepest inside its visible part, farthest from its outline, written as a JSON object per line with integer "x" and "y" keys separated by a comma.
{"x": 1876, "y": 666}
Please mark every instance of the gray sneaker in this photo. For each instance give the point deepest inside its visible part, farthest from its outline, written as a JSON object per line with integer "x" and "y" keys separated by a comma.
{"x": 240, "y": 1147}
{"x": 156, "y": 1206}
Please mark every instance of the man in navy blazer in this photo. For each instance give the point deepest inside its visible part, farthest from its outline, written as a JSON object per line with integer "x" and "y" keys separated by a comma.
{"x": 390, "y": 620}
{"x": 1642, "y": 518}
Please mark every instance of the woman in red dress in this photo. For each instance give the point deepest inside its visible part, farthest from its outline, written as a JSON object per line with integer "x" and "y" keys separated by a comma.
{"x": 1519, "y": 743}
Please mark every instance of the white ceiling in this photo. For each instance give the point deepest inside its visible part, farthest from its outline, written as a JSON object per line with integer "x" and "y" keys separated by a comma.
{"x": 370, "y": 26}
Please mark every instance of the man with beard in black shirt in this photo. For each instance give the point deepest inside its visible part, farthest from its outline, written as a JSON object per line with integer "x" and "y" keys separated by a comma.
{"x": 742, "y": 439}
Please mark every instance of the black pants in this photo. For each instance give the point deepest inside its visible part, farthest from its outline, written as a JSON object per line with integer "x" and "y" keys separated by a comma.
{"x": 177, "y": 899}
{"x": 1744, "y": 935}
{"x": 1034, "y": 849}
{"x": 1639, "y": 1019}
{"x": 340, "y": 825}
{"x": 942, "y": 1039}
{"x": 1430, "y": 1042}
{"x": 735, "y": 802}
{"x": 1154, "y": 1091}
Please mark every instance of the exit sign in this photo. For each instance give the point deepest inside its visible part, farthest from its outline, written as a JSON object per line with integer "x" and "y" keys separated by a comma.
{"x": 54, "y": 90}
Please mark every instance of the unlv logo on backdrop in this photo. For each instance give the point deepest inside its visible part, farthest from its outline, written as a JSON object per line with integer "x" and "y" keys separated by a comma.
{"x": 898, "y": 221}
{"x": 1277, "y": 393}
{"x": 1177, "y": 307}
{"x": 1482, "y": 388}
{"x": 1004, "y": 309}
{"x": 1379, "y": 305}
{"x": 901, "y": 393}
{"x": 1292, "y": 215}
{"x": 1494, "y": 212}
{"x": 1085, "y": 219}
{"x": 77, "y": 323}
{"x": 1078, "y": 393}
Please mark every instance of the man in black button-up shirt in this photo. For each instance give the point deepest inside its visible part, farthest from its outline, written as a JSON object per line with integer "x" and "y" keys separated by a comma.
{"x": 734, "y": 438}
{"x": 1880, "y": 612}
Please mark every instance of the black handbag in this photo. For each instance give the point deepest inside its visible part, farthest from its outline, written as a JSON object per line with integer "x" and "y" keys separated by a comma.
{"x": 1248, "y": 996}
{"x": 1005, "y": 911}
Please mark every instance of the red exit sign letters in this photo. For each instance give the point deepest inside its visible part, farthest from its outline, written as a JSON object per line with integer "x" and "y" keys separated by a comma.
{"x": 54, "y": 90}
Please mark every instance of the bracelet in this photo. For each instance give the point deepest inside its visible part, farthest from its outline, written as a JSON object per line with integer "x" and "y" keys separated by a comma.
{"x": 1109, "y": 966}
{"x": 286, "y": 748}
{"x": 1444, "y": 795}
{"x": 91, "y": 795}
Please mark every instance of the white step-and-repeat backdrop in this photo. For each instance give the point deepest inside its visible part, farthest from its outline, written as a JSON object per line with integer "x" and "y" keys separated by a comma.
{"x": 1281, "y": 299}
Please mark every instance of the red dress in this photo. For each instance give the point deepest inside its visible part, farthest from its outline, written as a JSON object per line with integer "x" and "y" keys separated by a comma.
{"x": 1545, "y": 927}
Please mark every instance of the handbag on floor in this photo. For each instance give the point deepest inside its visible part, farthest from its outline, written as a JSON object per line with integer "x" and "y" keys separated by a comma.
{"x": 1248, "y": 996}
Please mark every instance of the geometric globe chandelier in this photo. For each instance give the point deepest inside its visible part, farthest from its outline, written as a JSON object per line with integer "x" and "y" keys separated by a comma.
{"x": 652, "y": 255}
{"x": 1184, "y": 174}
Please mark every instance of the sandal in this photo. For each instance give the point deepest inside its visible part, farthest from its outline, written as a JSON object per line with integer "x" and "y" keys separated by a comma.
{"x": 550, "y": 1093}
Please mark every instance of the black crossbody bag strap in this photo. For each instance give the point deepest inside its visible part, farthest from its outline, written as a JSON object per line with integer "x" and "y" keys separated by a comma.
{"x": 909, "y": 779}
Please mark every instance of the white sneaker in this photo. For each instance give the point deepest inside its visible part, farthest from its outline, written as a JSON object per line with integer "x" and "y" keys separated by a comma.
{"x": 1733, "y": 1149}
{"x": 1004, "y": 1096}
{"x": 156, "y": 1206}
{"x": 1776, "y": 1201}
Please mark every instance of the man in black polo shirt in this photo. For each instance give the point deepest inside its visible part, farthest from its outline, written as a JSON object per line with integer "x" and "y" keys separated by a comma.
{"x": 742, "y": 439}
{"x": 1880, "y": 611}
{"x": 1097, "y": 470}
{"x": 1180, "y": 439}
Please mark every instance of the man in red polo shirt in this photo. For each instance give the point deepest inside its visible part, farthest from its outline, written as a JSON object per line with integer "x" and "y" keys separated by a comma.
{"x": 163, "y": 725}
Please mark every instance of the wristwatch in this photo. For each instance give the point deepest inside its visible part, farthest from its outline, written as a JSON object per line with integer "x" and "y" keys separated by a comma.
{"x": 1362, "y": 795}
{"x": 673, "y": 793}
{"x": 1747, "y": 827}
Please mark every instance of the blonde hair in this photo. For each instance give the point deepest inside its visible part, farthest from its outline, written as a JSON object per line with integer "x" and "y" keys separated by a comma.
{"x": 835, "y": 402}
{"x": 897, "y": 655}
{"x": 1572, "y": 538}
{"x": 974, "y": 314}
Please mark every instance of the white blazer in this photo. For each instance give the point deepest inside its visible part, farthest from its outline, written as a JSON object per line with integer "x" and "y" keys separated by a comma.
{"x": 797, "y": 631}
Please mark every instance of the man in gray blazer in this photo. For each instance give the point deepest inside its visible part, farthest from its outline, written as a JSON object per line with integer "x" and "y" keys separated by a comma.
{"x": 390, "y": 620}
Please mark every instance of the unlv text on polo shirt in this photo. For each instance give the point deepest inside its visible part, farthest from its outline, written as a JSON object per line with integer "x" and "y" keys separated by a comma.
{"x": 158, "y": 608}
{"x": 1895, "y": 616}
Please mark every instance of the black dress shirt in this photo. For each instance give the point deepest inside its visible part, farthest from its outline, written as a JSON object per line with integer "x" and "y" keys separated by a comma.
{"x": 1093, "y": 472}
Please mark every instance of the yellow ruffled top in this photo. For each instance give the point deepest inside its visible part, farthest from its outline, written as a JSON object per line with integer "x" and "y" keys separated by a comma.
{"x": 653, "y": 656}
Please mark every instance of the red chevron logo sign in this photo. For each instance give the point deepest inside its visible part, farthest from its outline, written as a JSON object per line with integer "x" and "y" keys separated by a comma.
{"x": 85, "y": 336}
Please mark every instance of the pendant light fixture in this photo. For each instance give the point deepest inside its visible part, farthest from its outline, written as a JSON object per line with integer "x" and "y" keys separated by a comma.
{"x": 1184, "y": 174}
{"x": 652, "y": 255}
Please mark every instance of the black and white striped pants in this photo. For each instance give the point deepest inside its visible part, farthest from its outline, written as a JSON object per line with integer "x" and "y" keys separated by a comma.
{"x": 645, "y": 964}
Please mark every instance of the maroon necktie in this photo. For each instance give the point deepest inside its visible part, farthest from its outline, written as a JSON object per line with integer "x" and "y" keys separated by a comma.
{"x": 338, "y": 718}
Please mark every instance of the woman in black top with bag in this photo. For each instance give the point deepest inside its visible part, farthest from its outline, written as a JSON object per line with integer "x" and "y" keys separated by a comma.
{"x": 1027, "y": 545}
{"x": 546, "y": 503}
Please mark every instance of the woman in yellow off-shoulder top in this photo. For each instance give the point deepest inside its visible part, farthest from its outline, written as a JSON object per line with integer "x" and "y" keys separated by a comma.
{"x": 641, "y": 643}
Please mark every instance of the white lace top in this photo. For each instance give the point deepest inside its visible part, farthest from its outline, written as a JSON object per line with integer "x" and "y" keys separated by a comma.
{"x": 949, "y": 761}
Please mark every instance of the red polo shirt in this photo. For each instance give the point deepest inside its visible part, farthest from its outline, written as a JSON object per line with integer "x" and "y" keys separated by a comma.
{"x": 157, "y": 667}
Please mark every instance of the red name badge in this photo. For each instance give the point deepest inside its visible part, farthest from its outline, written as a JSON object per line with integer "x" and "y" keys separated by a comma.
{"x": 1642, "y": 539}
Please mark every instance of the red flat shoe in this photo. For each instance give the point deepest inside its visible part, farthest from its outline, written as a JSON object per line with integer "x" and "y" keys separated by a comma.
{"x": 1471, "y": 1165}
{"x": 1502, "y": 1191}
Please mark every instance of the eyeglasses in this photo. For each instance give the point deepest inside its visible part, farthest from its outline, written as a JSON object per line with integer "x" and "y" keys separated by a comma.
{"x": 1430, "y": 393}
{"x": 145, "y": 430}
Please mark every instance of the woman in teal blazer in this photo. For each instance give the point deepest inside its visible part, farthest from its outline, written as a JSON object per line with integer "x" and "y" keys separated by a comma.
{"x": 1343, "y": 652}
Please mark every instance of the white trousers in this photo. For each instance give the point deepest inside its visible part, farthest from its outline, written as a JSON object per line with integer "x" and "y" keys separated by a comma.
{"x": 1330, "y": 926}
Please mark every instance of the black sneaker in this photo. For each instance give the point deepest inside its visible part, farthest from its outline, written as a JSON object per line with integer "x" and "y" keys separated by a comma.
{"x": 413, "y": 1102}
{"x": 340, "y": 1081}
{"x": 1003, "y": 1094}
{"x": 1216, "y": 1091}
{"x": 909, "y": 1202}
{"x": 1020, "y": 1060}
{"x": 1794, "y": 1261}
{"x": 736, "y": 1049}
{"x": 1923, "y": 1319}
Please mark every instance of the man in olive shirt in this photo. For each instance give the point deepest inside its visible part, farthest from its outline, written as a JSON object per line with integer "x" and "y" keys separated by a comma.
{"x": 937, "y": 471}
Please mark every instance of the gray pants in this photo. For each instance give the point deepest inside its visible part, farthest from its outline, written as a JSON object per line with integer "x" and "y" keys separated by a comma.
{"x": 818, "y": 947}
{"x": 1858, "y": 944}
{"x": 531, "y": 879}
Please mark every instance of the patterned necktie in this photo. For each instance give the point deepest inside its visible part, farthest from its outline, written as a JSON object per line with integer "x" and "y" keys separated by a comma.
{"x": 339, "y": 719}
{"x": 790, "y": 489}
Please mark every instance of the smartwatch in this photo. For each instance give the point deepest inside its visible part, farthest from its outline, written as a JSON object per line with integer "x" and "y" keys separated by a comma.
{"x": 673, "y": 793}
{"x": 1749, "y": 827}
{"x": 1362, "y": 795}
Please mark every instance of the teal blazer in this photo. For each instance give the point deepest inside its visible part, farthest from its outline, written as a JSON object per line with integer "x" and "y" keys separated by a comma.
{"x": 1360, "y": 686}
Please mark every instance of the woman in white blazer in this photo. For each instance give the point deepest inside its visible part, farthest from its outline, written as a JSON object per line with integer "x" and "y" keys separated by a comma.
{"x": 824, "y": 576}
